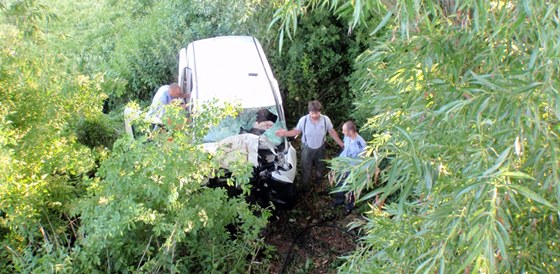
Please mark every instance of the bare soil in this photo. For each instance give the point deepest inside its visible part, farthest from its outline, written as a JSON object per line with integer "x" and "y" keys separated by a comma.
{"x": 312, "y": 237}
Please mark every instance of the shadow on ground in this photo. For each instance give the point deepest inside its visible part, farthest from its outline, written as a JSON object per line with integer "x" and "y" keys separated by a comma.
{"x": 312, "y": 236}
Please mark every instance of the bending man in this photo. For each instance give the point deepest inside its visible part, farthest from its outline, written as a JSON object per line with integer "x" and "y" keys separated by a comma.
{"x": 164, "y": 96}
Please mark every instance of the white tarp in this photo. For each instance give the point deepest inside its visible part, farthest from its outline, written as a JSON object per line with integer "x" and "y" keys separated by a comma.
{"x": 242, "y": 146}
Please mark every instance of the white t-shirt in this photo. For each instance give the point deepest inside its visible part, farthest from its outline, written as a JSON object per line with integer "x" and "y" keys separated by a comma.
{"x": 313, "y": 134}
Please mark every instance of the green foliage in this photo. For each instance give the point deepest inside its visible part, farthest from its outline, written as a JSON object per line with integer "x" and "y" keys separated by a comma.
{"x": 41, "y": 160}
{"x": 465, "y": 108}
{"x": 96, "y": 132}
{"x": 150, "y": 211}
{"x": 27, "y": 16}
{"x": 314, "y": 65}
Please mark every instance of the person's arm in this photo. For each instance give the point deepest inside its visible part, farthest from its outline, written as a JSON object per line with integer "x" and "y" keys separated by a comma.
{"x": 334, "y": 135}
{"x": 185, "y": 95}
{"x": 291, "y": 133}
{"x": 288, "y": 133}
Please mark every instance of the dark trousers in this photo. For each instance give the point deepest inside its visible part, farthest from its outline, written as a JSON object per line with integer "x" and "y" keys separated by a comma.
{"x": 340, "y": 197}
{"x": 312, "y": 158}
{"x": 156, "y": 127}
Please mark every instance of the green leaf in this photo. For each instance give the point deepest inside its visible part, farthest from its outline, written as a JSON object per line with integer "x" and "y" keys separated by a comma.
{"x": 382, "y": 23}
{"x": 483, "y": 80}
{"x": 517, "y": 174}
{"x": 499, "y": 162}
{"x": 532, "y": 195}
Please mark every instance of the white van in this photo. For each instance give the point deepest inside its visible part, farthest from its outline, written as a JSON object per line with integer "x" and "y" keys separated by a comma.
{"x": 235, "y": 69}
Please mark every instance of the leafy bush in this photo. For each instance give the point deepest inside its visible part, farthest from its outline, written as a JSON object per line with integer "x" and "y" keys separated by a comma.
{"x": 149, "y": 209}
{"x": 96, "y": 132}
{"x": 315, "y": 64}
{"x": 461, "y": 98}
{"x": 41, "y": 161}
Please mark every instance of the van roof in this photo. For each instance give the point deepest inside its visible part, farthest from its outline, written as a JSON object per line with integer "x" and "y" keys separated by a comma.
{"x": 232, "y": 68}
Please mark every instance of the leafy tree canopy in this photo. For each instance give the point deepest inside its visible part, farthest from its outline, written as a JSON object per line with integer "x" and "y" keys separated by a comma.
{"x": 460, "y": 97}
{"x": 63, "y": 188}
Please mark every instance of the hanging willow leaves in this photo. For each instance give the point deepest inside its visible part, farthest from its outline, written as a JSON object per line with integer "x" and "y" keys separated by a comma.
{"x": 467, "y": 87}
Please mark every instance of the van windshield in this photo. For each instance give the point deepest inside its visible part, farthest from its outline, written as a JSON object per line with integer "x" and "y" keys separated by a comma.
{"x": 258, "y": 121}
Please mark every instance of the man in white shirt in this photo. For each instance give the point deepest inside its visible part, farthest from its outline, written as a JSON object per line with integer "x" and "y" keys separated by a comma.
{"x": 313, "y": 127}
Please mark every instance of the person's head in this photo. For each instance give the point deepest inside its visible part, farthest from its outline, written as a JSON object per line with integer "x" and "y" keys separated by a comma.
{"x": 314, "y": 108}
{"x": 264, "y": 114}
{"x": 349, "y": 129}
{"x": 175, "y": 90}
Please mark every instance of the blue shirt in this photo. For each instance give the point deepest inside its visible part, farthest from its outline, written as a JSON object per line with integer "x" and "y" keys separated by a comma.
{"x": 352, "y": 148}
{"x": 161, "y": 98}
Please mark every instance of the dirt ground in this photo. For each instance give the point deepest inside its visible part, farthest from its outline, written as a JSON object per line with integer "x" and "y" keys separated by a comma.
{"x": 312, "y": 236}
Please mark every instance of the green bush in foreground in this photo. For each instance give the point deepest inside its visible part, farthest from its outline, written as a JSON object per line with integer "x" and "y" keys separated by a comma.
{"x": 149, "y": 210}
{"x": 41, "y": 163}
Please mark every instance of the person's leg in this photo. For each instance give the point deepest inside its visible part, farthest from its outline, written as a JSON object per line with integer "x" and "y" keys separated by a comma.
{"x": 306, "y": 166}
{"x": 339, "y": 196}
{"x": 312, "y": 164}
{"x": 156, "y": 127}
{"x": 319, "y": 156}
{"x": 351, "y": 201}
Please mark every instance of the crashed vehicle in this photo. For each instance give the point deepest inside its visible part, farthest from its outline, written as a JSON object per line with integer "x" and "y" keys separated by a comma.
{"x": 234, "y": 69}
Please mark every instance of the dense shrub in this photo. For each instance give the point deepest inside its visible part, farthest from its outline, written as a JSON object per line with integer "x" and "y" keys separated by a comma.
{"x": 315, "y": 65}
{"x": 150, "y": 210}
{"x": 96, "y": 132}
{"x": 41, "y": 161}
{"x": 462, "y": 99}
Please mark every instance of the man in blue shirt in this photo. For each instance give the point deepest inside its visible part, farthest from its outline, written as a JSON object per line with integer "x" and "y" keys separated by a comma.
{"x": 354, "y": 144}
{"x": 164, "y": 96}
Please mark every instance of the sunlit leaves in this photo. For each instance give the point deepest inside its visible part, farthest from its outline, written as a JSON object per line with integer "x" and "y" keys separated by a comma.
{"x": 27, "y": 15}
{"x": 41, "y": 161}
{"x": 152, "y": 195}
{"x": 465, "y": 95}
